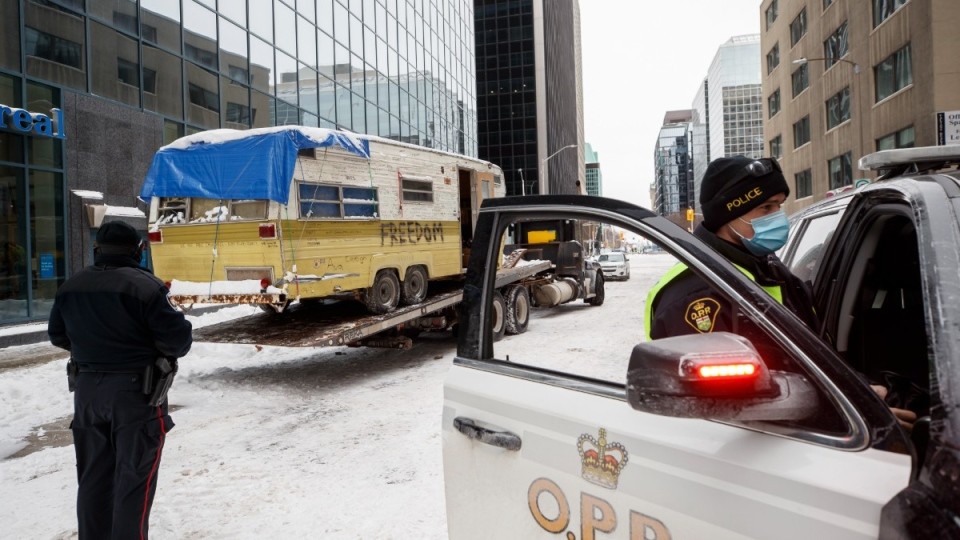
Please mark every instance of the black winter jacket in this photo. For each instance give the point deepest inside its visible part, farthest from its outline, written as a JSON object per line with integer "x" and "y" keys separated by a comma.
{"x": 671, "y": 308}
{"x": 115, "y": 315}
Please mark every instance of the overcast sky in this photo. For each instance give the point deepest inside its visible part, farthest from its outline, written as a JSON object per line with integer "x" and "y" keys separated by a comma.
{"x": 641, "y": 59}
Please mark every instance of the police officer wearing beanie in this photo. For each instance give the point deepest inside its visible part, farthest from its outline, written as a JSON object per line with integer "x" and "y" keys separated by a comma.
{"x": 742, "y": 220}
{"x": 115, "y": 319}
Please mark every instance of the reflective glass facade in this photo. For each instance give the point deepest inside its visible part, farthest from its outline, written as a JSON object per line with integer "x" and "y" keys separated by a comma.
{"x": 736, "y": 103}
{"x": 402, "y": 69}
{"x": 673, "y": 163}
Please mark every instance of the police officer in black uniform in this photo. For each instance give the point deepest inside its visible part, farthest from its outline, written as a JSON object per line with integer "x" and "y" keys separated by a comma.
{"x": 742, "y": 220}
{"x": 124, "y": 337}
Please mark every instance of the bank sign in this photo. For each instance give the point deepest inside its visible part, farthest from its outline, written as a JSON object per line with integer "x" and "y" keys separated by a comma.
{"x": 28, "y": 123}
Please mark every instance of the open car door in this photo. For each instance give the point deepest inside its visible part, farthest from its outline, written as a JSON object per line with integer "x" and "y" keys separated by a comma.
{"x": 583, "y": 429}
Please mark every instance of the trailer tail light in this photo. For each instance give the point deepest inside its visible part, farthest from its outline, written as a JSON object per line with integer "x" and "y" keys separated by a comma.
{"x": 264, "y": 283}
{"x": 168, "y": 284}
{"x": 155, "y": 237}
{"x": 268, "y": 231}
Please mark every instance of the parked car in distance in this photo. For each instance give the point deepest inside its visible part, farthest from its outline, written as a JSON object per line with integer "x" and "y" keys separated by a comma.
{"x": 615, "y": 265}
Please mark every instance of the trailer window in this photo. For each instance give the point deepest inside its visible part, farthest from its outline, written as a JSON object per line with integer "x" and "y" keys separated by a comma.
{"x": 179, "y": 210}
{"x": 172, "y": 210}
{"x": 417, "y": 190}
{"x": 319, "y": 201}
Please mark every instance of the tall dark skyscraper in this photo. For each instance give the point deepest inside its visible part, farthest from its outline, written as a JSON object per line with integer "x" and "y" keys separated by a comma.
{"x": 530, "y": 93}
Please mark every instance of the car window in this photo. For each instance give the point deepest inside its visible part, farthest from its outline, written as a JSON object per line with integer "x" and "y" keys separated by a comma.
{"x": 594, "y": 342}
{"x": 611, "y": 257}
{"x": 876, "y": 314}
{"x": 815, "y": 234}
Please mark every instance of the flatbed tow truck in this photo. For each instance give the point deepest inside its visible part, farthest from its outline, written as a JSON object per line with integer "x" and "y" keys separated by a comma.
{"x": 332, "y": 323}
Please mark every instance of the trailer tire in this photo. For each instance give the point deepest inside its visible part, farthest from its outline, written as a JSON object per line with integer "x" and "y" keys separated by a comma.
{"x": 414, "y": 286}
{"x": 498, "y": 322}
{"x": 597, "y": 299}
{"x": 384, "y": 295}
{"x": 517, "y": 298}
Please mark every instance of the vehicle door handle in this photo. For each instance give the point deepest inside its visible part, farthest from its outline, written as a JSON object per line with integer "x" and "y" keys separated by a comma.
{"x": 503, "y": 439}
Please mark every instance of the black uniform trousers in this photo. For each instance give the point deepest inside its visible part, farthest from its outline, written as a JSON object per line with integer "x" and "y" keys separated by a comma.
{"x": 118, "y": 438}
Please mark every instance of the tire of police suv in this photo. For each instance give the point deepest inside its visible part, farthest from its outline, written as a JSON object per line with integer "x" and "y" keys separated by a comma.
{"x": 597, "y": 299}
{"x": 384, "y": 294}
{"x": 517, "y": 299}
{"x": 498, "y": 322}
{"x": 414, "y": 286}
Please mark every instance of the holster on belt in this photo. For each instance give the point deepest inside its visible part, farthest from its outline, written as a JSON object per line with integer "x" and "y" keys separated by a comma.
{"x": 72, "y": 370}
{"x": 158, "y": 378}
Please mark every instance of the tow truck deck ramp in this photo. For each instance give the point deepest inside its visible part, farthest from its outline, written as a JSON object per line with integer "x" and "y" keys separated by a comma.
{"x": 345, "y": 322}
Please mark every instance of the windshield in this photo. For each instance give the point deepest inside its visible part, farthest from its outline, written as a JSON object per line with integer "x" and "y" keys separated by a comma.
{"x": 611, "y": 257}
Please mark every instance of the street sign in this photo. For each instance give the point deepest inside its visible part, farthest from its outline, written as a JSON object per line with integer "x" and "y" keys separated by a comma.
{"x": 948, "y": 128}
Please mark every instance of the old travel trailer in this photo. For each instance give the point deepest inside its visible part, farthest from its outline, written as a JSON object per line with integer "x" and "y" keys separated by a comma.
{"x": 268, "y": 216}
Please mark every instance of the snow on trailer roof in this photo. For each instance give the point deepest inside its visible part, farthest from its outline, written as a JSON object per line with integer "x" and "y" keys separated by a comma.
{"x": 240, "y": 164}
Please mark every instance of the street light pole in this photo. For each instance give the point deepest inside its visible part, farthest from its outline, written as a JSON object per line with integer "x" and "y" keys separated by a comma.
{"x": 856, "y": 93}
{"x": 543, "y": 167}
{"x": 523, "y": 188}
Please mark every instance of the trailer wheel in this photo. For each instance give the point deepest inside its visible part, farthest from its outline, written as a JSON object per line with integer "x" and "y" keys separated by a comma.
{"x": 414, "y": 286}
{"x": 384, "y": 295}
{"x": 598, "y": 289}
{"x": 517, "y": 298}
{"x": 498, "y": 321}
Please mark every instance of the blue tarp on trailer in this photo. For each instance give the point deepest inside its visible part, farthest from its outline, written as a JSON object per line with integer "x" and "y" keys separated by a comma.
{"x": 233, "y": 164}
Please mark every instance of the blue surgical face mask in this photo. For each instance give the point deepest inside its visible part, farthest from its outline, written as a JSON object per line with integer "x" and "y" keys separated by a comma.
{"x": 769, "y": 233}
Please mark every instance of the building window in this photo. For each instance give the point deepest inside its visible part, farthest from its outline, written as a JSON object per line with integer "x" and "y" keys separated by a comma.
{"x": 203, "y": 97}
{"x": 838, "y": 108}
{"x": 772, "y": 12}
{"x": 882, "y": 9}
{"x": 53, "y": 48}
{"x": 773, "y": 58}
{"x": 417, "y": 190}
{"x": 238, "y": 114}
{"x": 900, "y": 139}
{"x": 835, "y": 46}
{"x": 798, "y": 27}
{"x": 128, "y": 72}
{"x": 324, "y": 201}
{"x": 801, "y": 132}
{"x": 776, "y": 147}
{"x": 893, "y": 74}
{"x": 773, "y": 103}
{"x": 803, "y": 182}
{"x": 841, "y": 171}
{"x": 800, "y": 79}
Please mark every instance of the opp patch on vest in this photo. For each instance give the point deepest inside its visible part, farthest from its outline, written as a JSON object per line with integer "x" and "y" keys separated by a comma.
{"x": 701, "y": 314}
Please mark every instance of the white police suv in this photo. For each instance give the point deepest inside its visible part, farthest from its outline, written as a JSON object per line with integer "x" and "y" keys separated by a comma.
{"x": 587, "y": 434}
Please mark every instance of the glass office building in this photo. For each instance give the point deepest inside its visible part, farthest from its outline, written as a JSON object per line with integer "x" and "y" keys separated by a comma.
{"x": 128, "y": 76}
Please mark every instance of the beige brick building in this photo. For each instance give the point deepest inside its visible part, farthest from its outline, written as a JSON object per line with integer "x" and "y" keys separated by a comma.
{"x": 844, "y": 78}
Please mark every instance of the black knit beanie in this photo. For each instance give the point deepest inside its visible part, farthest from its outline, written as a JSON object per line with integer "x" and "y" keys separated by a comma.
{"x": 117, "y": 237}
{"x": 729, "y": 190}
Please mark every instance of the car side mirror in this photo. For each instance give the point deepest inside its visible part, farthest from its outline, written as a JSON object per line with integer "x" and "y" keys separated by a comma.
{"x": 717, "y": 376}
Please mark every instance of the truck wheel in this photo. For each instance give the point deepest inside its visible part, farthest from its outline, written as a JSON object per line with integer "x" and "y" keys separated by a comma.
{"x": 384, "y": 295}
{"x": 597, "y": 300}
{"x": 498, "y": 320}
{"x": 414, "y": 286}
{"x": 517, "y": 298}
